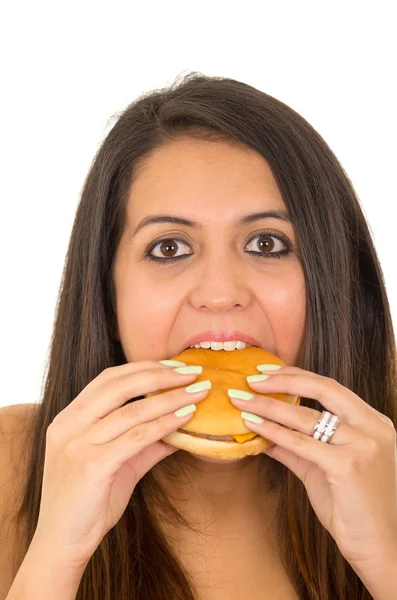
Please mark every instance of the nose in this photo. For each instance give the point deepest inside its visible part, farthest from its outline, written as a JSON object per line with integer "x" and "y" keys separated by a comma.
{"x": 223, "y": 284}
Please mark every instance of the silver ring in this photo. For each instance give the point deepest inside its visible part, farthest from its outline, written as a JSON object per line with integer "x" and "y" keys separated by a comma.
{"x": 325, "y": 427}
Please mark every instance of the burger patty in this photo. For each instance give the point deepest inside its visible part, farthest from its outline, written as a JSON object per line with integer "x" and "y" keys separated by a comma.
{"x": 218, "y": 438}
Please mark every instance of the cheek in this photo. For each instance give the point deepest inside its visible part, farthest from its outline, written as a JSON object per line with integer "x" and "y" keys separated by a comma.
{"x": 144, "y": 318}
{"x": 286, "y": 310}
{"x": 285, "y": 293}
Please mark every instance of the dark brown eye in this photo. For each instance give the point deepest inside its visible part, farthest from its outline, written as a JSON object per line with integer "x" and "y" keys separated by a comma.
{"x": 167, "y": 247}
{"x": 268, "y": 244}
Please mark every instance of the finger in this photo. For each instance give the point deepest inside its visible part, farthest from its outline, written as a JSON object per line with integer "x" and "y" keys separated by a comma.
{"x": 294, "y": 417}
{"x": 299, "y": 371}
{"x": 299, "y": 466}
{"x": 94, "y": 404}
{"x": 335, "y": 398}
{"x": 301, "y": 445}
{"x": 149, "y": 457}
{"x": 136, "y": 439}
{"x": 107, "y": 375}
{"x": 142, "y": 411}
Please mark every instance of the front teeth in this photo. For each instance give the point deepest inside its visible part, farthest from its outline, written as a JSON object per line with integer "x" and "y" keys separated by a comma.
{"x": 235, "y": 345}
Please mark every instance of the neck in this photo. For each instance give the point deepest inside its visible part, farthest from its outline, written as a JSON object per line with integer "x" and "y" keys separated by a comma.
{"x": 224, "y": 497}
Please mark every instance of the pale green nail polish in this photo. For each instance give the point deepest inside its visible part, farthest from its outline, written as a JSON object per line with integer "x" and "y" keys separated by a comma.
{"x": 189, "y": 369}
{"x": 185, "y": 410}
{"x": 254, "y": 378}
{"x": 266, "y": 367}
{"x": 198, "y": 387}
{"x": 240, "y": 394}
{"x": 172, "y": 363}
{"x": 251, "y": 417}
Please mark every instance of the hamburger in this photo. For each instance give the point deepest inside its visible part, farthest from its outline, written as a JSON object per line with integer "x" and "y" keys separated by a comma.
{"x": 216, "y": 429}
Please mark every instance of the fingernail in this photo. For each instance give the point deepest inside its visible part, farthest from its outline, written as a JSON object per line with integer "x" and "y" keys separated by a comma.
{"x": 189, "y": 369}
{"x": 266, "y": 367}
{"x": 240, "y": 394}
{"x": 172, "y": 363}
{"x": 251, "y": 417}
{"x": 185, "y": 410}
{"x": 198, "y": 387}
{"x": 254, "y": 378}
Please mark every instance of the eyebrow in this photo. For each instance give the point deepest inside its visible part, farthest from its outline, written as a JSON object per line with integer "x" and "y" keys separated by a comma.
{"x": 251, "y": 218}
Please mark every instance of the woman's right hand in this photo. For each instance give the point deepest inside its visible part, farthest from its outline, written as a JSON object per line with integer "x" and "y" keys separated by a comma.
{"x": 99, "y": 447}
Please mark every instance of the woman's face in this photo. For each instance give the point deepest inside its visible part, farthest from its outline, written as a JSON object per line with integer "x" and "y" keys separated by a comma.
{"x": 218, "y": 285}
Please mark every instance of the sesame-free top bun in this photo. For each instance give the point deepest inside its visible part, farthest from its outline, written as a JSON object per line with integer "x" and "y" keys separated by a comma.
{"x": 216, "y": 415}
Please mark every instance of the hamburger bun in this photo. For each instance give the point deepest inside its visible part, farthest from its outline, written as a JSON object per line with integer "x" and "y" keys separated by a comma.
{"x": 216, "y": 429}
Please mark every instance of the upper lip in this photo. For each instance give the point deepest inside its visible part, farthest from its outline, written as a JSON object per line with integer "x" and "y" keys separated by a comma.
{"x": 221, "y": 336}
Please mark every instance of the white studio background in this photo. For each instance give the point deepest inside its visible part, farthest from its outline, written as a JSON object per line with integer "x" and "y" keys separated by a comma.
{"x": 67, "y": 68}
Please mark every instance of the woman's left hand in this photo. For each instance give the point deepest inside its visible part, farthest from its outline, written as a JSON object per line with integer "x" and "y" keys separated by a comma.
{"x": 351, "y": 481}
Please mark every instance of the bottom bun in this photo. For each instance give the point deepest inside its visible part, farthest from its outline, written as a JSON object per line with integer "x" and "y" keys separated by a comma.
{"x": 216, "y": 449}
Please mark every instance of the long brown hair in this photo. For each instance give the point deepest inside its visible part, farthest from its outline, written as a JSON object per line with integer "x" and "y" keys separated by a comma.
{"x": 348, "y": 335}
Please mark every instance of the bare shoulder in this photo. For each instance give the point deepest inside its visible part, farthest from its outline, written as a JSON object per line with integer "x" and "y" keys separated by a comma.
{"x": 15, "y": 415}
{"x": 16, "y": 423}
{"x": 17, "y": 412}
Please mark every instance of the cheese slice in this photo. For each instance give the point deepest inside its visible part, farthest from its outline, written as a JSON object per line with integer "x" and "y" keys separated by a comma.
{"x": 244, "y": 437}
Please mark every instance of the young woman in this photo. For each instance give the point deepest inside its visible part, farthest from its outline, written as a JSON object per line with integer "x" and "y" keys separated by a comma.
{"x": 214, "y": 207}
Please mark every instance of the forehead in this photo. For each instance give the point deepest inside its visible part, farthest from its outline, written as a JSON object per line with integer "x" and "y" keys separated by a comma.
{"x": 200, "y": 175}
